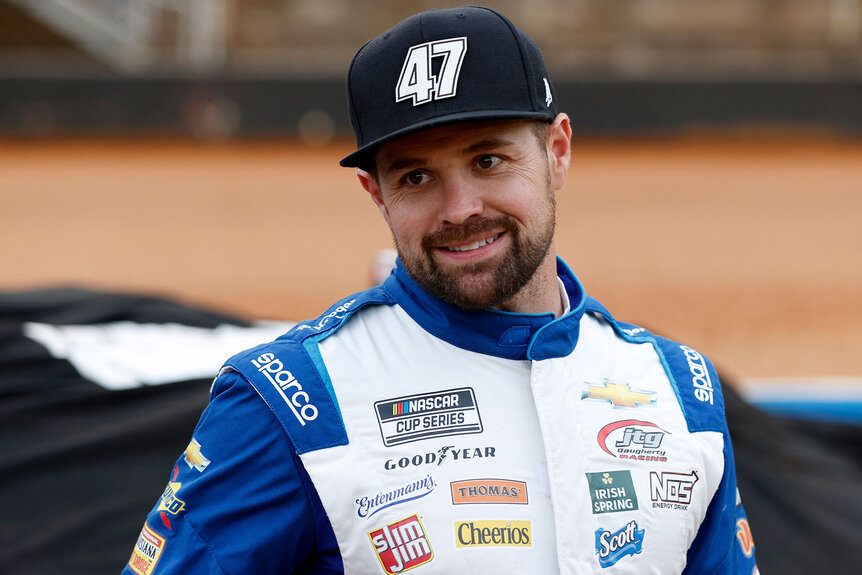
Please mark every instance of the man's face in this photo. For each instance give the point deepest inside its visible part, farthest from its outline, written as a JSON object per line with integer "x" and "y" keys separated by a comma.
{"x": 471, "y": 208}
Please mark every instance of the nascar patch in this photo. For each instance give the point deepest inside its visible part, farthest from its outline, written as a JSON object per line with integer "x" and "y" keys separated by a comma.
{"x": 147, "y": 551}
{"x": 428, "y": 415}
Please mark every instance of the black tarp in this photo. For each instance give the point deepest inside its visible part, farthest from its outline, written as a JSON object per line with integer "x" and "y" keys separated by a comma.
{"x": 81, "y": 464}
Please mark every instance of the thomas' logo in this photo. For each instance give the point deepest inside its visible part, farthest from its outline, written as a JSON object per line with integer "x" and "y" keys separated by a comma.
{"x": 612, "y": 491}
{"x": 619, "y": 394}
{"x": 671, "y": 490}
{"x": 445, "y": 453}
{"x": 418, "y": 82}
{"x": 633, "y": 439}
{"x": 743, "y": 535}
{"x": 193, "y": 456}
{"x": 613, "y": 546}
{"x": 285, "y": 383}
{"x": 147, "y": 551}
{"x": 488, "y": 491}
{"x": 497, "y": 533}
{"x": 368, "y": 506}
{"x": 402, "y": 545}
{"x": 428, "y": 415}
{"x": 700, "y": 378}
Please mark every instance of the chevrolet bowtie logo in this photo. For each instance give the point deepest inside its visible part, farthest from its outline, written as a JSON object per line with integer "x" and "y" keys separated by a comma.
{"x": 619, "y": 394}
{"x": 194, "y": 457}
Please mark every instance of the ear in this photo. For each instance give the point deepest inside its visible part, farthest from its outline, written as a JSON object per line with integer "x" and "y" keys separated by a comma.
{"x": 559, "y": 146}
{"x": 369, "y": 183}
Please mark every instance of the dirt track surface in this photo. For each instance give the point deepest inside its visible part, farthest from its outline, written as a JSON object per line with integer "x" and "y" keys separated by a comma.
{"x": 751, "y": 252}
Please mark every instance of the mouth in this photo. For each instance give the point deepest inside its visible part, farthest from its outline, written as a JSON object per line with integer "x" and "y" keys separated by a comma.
{"x": 475, "y": 245}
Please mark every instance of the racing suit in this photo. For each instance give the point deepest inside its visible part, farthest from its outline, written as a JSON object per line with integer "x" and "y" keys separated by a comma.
{"x": 397, "y": 432}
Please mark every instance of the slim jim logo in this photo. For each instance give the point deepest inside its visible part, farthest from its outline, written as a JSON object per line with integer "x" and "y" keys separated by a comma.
{"x": 488, "y": 491}
{"x": 402, "y": 545}
{"x": 285, "y": 383}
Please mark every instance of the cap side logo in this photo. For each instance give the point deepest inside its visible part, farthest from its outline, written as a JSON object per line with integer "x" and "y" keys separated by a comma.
{"x": 417, "y": 81}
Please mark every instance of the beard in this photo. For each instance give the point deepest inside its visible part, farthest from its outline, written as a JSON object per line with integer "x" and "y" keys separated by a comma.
{"x": 485, "y": 284}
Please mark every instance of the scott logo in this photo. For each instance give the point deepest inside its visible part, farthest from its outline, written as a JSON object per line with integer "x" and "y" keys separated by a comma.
{"x": 402, "y": 545}
{"x": 284, "y": 382}
{"x": 700, "y": 374}
{"x": 611, "y": 547}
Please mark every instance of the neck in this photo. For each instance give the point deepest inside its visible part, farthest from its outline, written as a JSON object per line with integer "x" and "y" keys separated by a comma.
{"x": 542, "y": 292}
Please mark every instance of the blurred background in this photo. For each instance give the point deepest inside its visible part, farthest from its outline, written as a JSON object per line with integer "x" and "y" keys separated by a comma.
{"x": 188, "y": 150}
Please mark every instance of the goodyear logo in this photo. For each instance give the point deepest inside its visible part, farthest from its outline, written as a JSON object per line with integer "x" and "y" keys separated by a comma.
{"x": 489, "y": 491}
{"x": 402, "y": 545}
{"x": 146, "y": 552}
{"x": 498, "y": 533}
{"x": 428, "y": 415}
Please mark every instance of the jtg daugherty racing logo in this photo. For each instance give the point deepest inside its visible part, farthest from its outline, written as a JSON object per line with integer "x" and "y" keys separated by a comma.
{"x": 700, "y": 374}
{"x": 284, "y": 382}
{"x": 633, "y": 439}
{"x": 368, "y": 506}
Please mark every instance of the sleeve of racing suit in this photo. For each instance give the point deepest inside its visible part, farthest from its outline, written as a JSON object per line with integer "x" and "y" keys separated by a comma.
{"x": 237, "y": 501}
{"x": 723, "y": 545}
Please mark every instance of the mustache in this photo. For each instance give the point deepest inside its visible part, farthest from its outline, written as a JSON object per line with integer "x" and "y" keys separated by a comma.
{"x": 472, "y": 227}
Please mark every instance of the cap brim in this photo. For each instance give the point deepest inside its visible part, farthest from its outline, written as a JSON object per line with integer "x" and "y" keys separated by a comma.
{"x": 364, "y": 155}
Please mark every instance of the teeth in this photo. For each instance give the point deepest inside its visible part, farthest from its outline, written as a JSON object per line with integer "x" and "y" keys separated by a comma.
{"x": 475, "y": 245}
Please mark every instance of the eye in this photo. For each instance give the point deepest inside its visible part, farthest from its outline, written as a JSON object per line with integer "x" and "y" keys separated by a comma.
{"x": 416, "y": 178}
{"x": 487, "y": 161}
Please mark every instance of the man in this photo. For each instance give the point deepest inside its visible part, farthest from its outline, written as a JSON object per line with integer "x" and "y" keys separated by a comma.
{"x": 477, "y": 412}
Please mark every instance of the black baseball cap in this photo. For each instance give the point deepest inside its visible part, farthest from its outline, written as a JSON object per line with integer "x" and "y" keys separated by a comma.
{"x": 443, "y": 67}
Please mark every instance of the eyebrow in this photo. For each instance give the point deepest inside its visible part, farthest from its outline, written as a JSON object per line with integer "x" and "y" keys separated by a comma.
{"x": 415, "y": 162}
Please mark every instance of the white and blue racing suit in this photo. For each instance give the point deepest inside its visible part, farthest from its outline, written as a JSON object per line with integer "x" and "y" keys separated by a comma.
{"x": 396, "y": 432}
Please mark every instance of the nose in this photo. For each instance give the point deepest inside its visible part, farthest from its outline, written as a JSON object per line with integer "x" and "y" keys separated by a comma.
{"x": 461, "y": 201}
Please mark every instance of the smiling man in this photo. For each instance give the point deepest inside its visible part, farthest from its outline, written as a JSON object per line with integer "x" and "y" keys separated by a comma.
{"x": 477, "y": 412}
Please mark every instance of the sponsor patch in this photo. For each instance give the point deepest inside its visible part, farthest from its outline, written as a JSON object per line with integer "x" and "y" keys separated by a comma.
{"x": 744, "y": 536}
{"x": 193, "y": 456}
{"x": 497, "y": 533}
{"x": 700, "y": 377}
{"x": 146, "y": 552}
{"x": 368, "y": 506}
{"x": 170, "y": 503}
{"x": 613, "y": 546}
{"x": 402, "y": 545}
{"x": 612, "y": 491}
{"x": 445, "y": 453}
{"x": 619, "y": 394}
{"x": 286, "y": 384}
{"x": 633, "y": 439}
{"x": 428, "y": 415}
{"x": 488, "y": 491}
{"x": 669, "y": 490}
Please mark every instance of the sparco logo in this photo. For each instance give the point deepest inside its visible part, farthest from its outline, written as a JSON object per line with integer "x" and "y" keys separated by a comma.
{"x": 368, "y": 506}
{"x": 427, "y": 415}
{"x": 611, "y": 547}
{"x": 700, "y": 374}
{"x": 448, "y": 452}
{"x": 284, "y": 382}
{"x": 402, "y": 545}
{"x": 671, "y": 490}
{"x": 337, "y": 313}
{"x": 633, "y": 439}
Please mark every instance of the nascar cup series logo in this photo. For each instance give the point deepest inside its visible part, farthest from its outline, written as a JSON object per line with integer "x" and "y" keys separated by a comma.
{"x": 402, "y": 545}
{"x": 285, "y": 383}
{"x": 427, "y": 415}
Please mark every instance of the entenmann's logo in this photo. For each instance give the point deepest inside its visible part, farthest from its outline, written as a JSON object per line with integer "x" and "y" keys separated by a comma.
{"x": 498, "y": 533}
{"x": 428, "y": 415}
{"x": 368, "y": 506}
{"x": 284, "y": 382}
